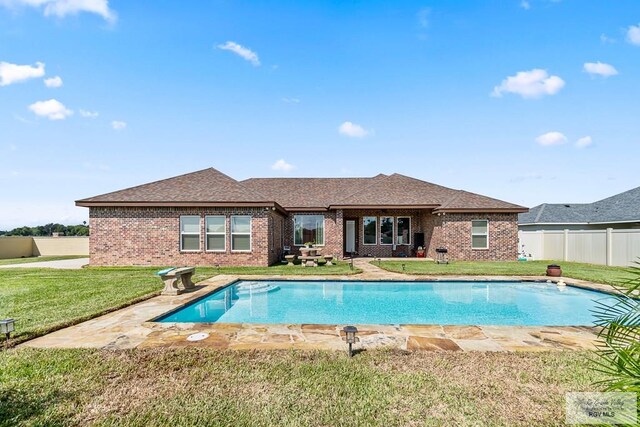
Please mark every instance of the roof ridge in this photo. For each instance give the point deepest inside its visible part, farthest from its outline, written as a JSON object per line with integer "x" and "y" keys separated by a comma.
{"x": 542, "y": 206}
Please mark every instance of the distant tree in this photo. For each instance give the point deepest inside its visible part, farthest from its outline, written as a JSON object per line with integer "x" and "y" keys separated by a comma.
{"x": 49, "y": 229}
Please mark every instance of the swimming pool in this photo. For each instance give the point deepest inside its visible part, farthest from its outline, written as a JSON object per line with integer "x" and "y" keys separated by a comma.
{"x": 359, "y": 302}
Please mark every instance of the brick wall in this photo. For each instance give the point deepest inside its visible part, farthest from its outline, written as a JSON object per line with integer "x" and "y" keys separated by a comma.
{"x": 151, "y": 236}
{"x": 333, "y": 232}
{"x": 453, "y": 231}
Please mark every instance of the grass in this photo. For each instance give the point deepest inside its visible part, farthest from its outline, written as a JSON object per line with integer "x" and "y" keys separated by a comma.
{"x": 39, "y": 259}
{"x": 591, "y": 272}
{"x": 291, "y": 388}
{"x": 44, "y": 300}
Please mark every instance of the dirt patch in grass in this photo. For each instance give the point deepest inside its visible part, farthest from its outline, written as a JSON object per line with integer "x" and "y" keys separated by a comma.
{"x": 298, "y": 388}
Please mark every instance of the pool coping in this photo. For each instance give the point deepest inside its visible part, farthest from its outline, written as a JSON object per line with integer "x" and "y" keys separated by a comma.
{"x": 133, "y": 326}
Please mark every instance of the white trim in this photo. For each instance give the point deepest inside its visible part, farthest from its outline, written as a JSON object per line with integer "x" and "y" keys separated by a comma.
{"x": 580, "y": 223}
{"x": 485, "y": 234}
{"x": 250, "y": 233}
{"x": 393, "y": 231}
{"x": 395, "y": 238}
{"x": 207, "y": 234}
{"x": 376, "y": 230}
{"x": 199, "y": 233}
{"x": 324, "y": 229}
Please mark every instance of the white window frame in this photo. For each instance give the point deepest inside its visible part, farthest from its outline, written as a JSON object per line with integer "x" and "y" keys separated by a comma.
{"x": 199, "y": 234}
{"x": 250, "y": 233}
{"x": 481, "y": 234}
{"x": 207, "y": 233}
{"x": 375, "y": 241}
{"x": 324, "y": 230}
{"x": 395, "y": 233}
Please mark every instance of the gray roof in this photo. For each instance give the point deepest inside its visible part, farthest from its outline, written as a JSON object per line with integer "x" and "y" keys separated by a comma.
{"x": 623, "y": 207}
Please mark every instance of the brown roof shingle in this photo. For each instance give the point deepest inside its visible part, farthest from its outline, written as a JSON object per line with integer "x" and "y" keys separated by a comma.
{"x": 210, "y": 187}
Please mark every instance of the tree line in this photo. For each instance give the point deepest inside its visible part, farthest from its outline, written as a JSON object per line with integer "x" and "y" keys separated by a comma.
{"x": 49, "y": 229}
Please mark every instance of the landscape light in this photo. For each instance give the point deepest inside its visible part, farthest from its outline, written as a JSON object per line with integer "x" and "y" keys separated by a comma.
{"x": 7, "y": 326}
{"x": 350, "y": 337}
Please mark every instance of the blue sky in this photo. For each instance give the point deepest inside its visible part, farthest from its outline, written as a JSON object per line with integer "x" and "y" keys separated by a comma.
{"x": 490, "y": 96}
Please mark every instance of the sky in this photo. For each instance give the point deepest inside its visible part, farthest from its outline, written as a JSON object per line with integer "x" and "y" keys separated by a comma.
{"x": 525, "y": 101}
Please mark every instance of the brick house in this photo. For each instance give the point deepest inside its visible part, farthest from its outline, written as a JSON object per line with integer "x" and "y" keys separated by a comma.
{"x": 208, "y": 218}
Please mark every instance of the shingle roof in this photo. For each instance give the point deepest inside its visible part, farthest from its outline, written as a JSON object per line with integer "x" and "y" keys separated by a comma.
{"x": 623, "y": 207}
{"x": 211, "y": 187}
{"x": 208, "y": 185}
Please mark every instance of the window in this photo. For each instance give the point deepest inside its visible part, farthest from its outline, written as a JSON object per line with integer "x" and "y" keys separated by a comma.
{"x": 308, "y": 228}
{"x": 386, "y": 230}
{"x": 403, "y": 231}
{"x": 189, "y": 233}
{"x": 240, "y": 233}
{"x": 370, "y": 227}
{"x": 216, "y": 233}
{"x": 480, "y": 234}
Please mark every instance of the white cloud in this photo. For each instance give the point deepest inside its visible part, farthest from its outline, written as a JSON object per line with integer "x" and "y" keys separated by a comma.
{"x": 241, "y": 51}
{"x": 604, "y": 39}
{"x": 88, "y": 114}
{"x": 118, "y": 125}
{"x": 423, "y": 17}
{"x": 353, "y": 130}
{"x": 53, "y": 82}
{"x": 551, "y": 138}
{"x": 525, "y": 5}
{"x": 283, "y": 166}
{"x": 600, "y": 69}
{"x": 51, "y": 109}
{"x": 14, "y": 73}
{"x": 291, "y": 100}
{"x": 584, "y": 142}
{"x": 633, "y": 34}
{"x": 530, "y": 84}
{"x": 62, "y": 8}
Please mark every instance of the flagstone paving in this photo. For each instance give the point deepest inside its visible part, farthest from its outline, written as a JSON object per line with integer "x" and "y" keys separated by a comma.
{"x": 131, "y": 327}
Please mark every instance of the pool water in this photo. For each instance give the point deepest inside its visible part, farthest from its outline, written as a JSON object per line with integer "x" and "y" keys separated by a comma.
{"x": 354, "y": 302}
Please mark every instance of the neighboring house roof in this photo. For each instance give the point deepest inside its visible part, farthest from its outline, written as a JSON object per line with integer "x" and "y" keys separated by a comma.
{"x": 210, "y": 187}
{"x": 623, "y": 207}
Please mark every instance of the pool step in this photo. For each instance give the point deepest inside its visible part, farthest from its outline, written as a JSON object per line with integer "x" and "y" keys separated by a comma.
{"x": 253, "y": 288}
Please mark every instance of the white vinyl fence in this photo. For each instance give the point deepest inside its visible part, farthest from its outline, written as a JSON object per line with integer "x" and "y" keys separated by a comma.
{"x": 606, "y": 247}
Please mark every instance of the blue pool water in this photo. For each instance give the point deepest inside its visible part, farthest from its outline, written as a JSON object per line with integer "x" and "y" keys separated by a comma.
{"x": 349, "y": 302}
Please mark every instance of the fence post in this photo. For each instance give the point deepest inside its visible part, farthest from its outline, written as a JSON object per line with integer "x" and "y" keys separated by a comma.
{"x": 566, "y": 245}
{"x": 609, "y": 246}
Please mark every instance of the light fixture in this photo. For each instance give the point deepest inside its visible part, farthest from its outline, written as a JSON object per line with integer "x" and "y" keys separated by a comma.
{"x": 403, "y": 267}
{"x": 350, "y": 337}
{"x": 7, "y": 326}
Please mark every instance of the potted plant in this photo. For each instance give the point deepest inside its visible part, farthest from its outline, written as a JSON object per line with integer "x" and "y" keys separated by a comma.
{"x": 420, "y": 252}
{"x": 310, "y": 248}
{"x": 554, "y": 270}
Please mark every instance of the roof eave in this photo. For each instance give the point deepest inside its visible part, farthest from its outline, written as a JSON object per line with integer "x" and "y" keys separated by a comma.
{"x": 137, "y": 204}
{"x": 429, "y": 206}
{"x": 482, "y": 210}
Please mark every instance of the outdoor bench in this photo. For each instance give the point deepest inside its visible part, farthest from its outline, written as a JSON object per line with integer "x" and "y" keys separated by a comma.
{"x": 176, "y": 280}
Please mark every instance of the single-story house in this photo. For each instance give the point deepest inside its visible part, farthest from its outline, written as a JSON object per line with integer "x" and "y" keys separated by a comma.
{"x": 621, "y": 211}
{"x": 209, "y": 218}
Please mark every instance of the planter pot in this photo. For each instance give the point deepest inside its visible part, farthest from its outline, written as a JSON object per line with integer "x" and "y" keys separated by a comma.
{"x": 313, "y": 252}
{"x": 305, "y": 251}
{"x": 554, "y": 270}
{"x": 419, "y": 254}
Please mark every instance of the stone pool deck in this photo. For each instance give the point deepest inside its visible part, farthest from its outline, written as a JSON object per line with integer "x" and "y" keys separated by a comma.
{"x": 130, "y": 327}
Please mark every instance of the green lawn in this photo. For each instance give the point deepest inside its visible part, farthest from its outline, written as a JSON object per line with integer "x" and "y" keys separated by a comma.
{"x": 43, "y": 300}
{"x": 590, "y": 272}
{"x": 183, "y": 387}
{"x": 39, "y": 259}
